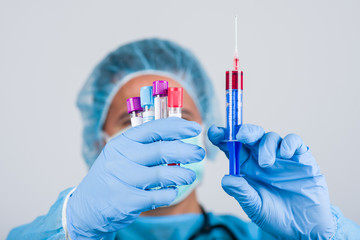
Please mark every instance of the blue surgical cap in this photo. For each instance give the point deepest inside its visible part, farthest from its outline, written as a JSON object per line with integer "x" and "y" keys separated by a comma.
{"x": 149, "y": 56}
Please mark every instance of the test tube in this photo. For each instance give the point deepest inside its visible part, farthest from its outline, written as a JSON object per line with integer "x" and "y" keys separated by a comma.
{"x": 147, "y": 103}
{"x": 175, "y": 101}
{"x": 135, "y": 110}
{"x": 160, "y": 93}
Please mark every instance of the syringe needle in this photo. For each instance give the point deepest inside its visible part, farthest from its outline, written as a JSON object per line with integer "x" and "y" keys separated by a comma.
{"x": 236, "y": 46}
{"x": 236, "y": 57}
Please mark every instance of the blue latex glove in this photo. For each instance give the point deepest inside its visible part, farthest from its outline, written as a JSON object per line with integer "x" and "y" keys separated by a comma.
{"x": 282, "y": 190}
{"x": 118, "y": 186}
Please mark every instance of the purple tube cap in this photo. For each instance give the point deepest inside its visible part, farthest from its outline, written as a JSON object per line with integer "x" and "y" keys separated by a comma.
{"x": 133, "y": 104}
{"x": 160, "y": 88}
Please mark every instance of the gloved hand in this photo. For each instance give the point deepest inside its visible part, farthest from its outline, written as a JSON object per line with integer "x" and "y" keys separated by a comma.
{"x": 282, "y": 190}
{"x": 118, "y": 186}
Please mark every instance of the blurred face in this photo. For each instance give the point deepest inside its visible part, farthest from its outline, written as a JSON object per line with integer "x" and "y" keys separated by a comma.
{"x": 118, "y": 117}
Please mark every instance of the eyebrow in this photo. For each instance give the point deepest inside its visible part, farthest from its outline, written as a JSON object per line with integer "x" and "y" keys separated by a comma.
{"x": 187, "y": 112}
{"x": 123, "y": 116}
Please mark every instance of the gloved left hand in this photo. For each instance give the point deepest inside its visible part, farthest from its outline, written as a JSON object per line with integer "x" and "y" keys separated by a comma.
{"x": 282, "y": 190}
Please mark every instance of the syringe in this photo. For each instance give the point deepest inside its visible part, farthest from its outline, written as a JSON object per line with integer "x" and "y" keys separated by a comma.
{"x": 160, "y": 92}
{"x": 147, "y": 103}
{"x": 135, "y": 110}
{"x": 234, "y": 88}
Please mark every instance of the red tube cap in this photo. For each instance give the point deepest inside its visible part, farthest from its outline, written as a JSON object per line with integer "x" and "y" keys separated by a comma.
{"x": 175, "y": 97}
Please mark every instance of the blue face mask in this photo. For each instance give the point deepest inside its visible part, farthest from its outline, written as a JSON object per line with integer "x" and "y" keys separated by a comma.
{"x": 198, "y": 168}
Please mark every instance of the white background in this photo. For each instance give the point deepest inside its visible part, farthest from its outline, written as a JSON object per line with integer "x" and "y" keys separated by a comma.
{"x": 301, "y": 62}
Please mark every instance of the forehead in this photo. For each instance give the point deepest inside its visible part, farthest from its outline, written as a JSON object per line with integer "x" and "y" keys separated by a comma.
{"x": 132, "y": 89}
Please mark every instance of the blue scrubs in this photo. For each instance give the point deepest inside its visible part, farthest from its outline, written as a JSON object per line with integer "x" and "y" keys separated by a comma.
{"x": 185, "y": 225}
{"x": 166, "y": 227}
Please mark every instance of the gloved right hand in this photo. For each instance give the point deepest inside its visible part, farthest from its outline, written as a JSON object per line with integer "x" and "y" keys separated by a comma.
{"x": 119, "y": 185}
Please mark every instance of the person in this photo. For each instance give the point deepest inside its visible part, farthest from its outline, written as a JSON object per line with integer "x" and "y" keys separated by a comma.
{"x": 130, "y": 192}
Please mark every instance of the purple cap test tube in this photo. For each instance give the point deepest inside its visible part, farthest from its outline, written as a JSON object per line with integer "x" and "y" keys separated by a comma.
{"x": 135, "y": 110}
{"x": 160, "y": 92}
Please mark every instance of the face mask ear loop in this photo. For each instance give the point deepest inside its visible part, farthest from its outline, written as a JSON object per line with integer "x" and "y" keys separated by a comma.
{"x": 106, "y": 137}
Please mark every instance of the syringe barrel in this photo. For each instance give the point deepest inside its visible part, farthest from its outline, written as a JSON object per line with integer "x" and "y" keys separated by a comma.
{"x": 233, "y": 119}
{"x": 234, "y": 87}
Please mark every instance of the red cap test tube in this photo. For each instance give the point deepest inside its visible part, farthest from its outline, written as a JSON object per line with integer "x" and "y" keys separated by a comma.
{"x": 175, "y": 101}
